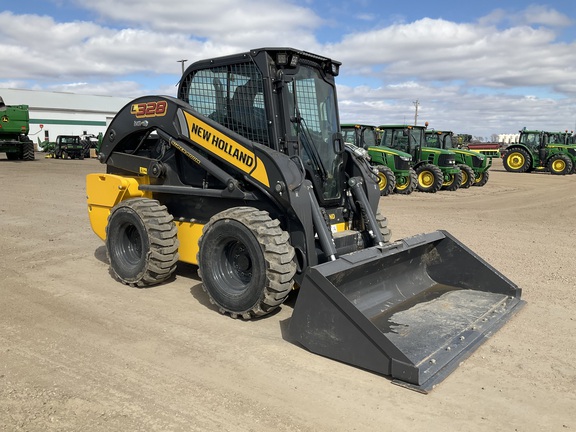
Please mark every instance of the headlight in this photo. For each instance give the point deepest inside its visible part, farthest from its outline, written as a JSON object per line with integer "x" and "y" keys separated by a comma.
{"x": 405, "y": 158}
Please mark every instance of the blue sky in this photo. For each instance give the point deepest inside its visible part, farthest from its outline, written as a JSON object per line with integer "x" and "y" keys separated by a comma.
{"x": 482, "y": 68}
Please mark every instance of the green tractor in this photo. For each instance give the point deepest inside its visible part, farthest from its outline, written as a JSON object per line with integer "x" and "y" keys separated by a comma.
{"x": 537, "y": 151}
{"x": 474, "y": 165}
{"x": 435, "y": 168}
{"x": 393, "y": 166}
{"x": 14, "y": 128}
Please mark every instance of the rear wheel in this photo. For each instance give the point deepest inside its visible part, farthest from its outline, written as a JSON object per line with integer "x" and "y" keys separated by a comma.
{"x": 468, "y": 176}
{"x": 517, "y": 160}
{"x": 405, "y": 185}
{"x": 430, "y": 178}
{"x": 453, "y": 182}
{"x": 141, "y": 241}
{"x": 246, "y": 262}
{"x": 28, "y": 151}
{"x": 560, "y": 164}
{"x": 482, "y": 178}
{"x": 386, "y": 180}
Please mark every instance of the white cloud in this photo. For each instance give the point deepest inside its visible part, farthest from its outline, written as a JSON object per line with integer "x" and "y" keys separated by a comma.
{"x": 460, "y": 72}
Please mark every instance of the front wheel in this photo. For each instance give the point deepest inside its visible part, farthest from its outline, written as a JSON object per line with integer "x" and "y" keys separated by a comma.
{"x": 517, "y": 160}
{"x": 246, "y": 262}
{"x": 386, "y": 180}
{"x": 452, "y": 181}
{"x": 560, "y": 164}
{"x": 141, "y": 241}
{"x": 405, "y": 185}
{"x": 482, "y": 178}
{"x": 468, "y": 176}
{"x": 430, "y": 178}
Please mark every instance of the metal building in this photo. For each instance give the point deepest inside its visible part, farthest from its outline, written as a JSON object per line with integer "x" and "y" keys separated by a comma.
{"x": 59, "y": 113}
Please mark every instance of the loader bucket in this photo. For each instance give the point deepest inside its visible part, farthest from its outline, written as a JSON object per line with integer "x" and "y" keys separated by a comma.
{"x": 413, "y": 309}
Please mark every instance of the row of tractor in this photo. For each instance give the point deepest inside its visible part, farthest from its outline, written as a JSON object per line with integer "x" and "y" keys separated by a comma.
{"x": 408, "y": 158}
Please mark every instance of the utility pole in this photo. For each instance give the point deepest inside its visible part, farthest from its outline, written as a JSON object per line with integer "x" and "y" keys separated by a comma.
{"x": 416, "y": 104}
{"x": 182, "y": 62}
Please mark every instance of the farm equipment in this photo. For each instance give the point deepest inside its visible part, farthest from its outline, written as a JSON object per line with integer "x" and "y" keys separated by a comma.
{"x": 537, "y": 151}
{"x": 393, "y": 166}
{"x": 474, "y": 165}
{"x": 246, "y": 175}
{"x": 14, "y": 128}
{"x": 435, "y": 168}
{"x": 90, "y": 142}
{"x": 488, "y": 149}
{"x": 68, "y": 146}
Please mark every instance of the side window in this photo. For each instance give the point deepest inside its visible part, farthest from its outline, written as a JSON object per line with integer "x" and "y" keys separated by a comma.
{"x": 232, "y": 96}
{"x": 387, "y": 139}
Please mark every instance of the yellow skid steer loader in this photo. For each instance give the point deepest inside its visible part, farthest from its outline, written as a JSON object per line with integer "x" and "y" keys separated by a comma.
{"x": 246, "y": 175}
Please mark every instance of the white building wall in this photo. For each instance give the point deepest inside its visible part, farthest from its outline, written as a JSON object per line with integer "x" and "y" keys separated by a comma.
{"x": 57, "y": 113}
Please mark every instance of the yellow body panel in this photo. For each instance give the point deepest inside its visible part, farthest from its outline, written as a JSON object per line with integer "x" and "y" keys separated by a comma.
{"x": 104, "y": 191}
{"x": 188, "y": 235}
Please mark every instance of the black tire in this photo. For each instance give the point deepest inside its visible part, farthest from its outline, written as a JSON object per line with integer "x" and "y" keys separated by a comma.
{"x": 141, "y": 241}
{"x": 468, "y": 176}
{"x": 386, "y": 180}
{"x": 454, "y": 182}
{"x": 482, "y": 178}
{"x": 28, "y": 151}
{"x": 405, "y": 185}
{"x": 517, "y": 160}
{"x": 560, "y": 164}
{"x": 429, "y": 177}
{"x": 246, "y": 262}
{"x": 382, "y": 222}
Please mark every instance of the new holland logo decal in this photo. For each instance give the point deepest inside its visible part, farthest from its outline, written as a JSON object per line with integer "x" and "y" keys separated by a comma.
{"x": 227, "y": 149}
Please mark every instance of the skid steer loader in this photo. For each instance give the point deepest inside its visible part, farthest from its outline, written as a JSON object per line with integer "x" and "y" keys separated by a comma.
{"x": 246, "y": 175}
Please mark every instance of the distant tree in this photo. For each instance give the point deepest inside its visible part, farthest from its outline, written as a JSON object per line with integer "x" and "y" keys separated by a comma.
{"x": 479, "y": 139}
{"x": 494, "y": 138}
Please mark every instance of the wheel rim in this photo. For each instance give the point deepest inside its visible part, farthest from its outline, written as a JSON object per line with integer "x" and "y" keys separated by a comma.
{"x": 449, "y": 181}
{"x": 402, "y": 183}
{"x": 465, "y": 178}
{"x": 234, "y": 268}
{"x": 479, "y": 177}
{"x": 129, "y": 247}
{"x": 383, "y": 181}
{"x": 516, "y": 160}
{"x": 558, "y": 165}
{"x": 426, "y": 179}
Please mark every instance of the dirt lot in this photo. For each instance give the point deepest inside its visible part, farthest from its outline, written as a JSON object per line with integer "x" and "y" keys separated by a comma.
{"x": 81, "y": 352}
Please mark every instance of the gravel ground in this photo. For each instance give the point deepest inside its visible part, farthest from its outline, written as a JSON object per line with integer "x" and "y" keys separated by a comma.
{"x": 81, "y": 352}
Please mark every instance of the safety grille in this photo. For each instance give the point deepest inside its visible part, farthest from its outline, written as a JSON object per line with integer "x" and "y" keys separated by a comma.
{"x": 446, "y": 160}
{"x": 232, "y": 96}
{"x": 401, "y": 164}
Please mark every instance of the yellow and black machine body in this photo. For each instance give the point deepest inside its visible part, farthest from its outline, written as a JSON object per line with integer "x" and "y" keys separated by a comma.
{"x": 246, "y": 175}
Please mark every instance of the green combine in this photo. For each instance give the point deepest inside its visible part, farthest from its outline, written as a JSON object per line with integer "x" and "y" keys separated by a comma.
{"x": 14, "y": 128}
